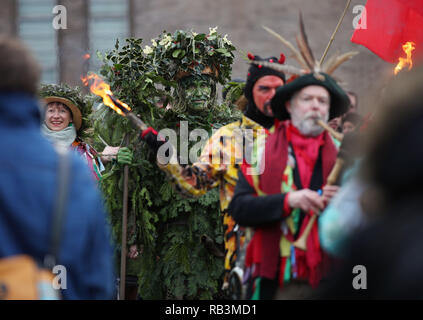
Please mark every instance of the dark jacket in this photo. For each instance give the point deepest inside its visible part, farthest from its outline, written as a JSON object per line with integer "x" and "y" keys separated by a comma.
{"x": 28, "y": 189}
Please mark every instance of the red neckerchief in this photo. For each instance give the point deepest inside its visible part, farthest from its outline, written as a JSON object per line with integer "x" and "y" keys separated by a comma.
{"x": 306, "y": 151}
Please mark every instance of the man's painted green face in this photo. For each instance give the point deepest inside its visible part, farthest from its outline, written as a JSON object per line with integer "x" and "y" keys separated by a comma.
{"x": 198, "y": 91}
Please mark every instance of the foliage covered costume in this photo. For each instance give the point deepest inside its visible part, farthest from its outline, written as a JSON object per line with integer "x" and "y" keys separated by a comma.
{"x": 219, "y": 162}
{"x": 208, "y": 173}
{"x": 174, "y": 263}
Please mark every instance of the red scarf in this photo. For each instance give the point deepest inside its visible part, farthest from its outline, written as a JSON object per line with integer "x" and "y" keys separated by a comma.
{"x": 306, "y": 151}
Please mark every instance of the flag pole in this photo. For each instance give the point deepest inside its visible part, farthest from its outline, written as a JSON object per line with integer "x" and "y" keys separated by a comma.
{"x": 334, "y": 33}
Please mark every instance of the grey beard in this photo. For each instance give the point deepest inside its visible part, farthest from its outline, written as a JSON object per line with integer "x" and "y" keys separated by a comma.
{"x": 307, "y": 125}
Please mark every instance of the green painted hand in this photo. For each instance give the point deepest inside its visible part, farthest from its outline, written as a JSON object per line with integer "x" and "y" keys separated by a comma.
{"x": 124, "y": 156}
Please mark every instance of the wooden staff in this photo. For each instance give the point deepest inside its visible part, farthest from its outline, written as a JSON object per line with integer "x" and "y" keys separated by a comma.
{"x": 124, "y": 229}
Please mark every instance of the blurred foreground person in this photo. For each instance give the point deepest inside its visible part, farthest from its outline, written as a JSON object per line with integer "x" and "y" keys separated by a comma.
{"x": 29, "y": 189}
{"x": 384, "y": 260}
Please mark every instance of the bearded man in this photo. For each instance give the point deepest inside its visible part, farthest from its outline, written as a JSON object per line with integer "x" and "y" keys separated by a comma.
{"x": 296, "y": 161}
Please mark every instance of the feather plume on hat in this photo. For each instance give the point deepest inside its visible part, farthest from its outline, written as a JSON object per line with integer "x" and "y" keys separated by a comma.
{"x": 311, "y": 72}
{"x": 304, "y": 55}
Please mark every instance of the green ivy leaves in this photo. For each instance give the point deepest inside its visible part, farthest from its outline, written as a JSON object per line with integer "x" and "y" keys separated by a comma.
{"x": 178, "y": 53}
{"x": 168, "y": 225}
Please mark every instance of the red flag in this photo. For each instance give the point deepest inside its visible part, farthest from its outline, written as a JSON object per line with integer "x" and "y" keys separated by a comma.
{"x": 390, "y": 24}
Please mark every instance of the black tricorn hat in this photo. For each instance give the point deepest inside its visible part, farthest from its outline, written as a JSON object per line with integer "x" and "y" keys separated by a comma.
{"x": 339, "y": 100}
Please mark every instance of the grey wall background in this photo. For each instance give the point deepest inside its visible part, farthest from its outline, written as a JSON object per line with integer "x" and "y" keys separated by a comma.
{"x": 240, "y": 19}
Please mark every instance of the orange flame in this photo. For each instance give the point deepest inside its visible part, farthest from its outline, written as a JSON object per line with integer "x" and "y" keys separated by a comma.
{"x": 86, "y": 56}
{"x": 408, "y": 48}
{"x": 102, "y": 89}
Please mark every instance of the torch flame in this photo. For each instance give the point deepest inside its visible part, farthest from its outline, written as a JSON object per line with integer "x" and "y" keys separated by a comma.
{"x": 408, "y": 48}
{"x": 86, "y": 56}
{"x": 102, "y": 89}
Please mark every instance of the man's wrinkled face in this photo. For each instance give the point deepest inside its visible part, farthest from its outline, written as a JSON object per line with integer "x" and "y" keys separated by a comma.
{"x": 308, "y": 105}
{"x": 198, "y": 91}
{"x": 263, "y": 91}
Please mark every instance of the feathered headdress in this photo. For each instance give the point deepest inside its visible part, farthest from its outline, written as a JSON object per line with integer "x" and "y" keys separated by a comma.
{"x": 312, "y": 72}
{"x": 304, "y": 56}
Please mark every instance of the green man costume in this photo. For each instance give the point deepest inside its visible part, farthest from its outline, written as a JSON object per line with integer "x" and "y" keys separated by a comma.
{"x": 172, "y": 80}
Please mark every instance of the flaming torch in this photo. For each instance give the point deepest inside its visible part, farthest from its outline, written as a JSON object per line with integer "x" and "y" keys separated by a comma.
{"x": 102, "y": 89}
{"x": 408, "y": 48}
